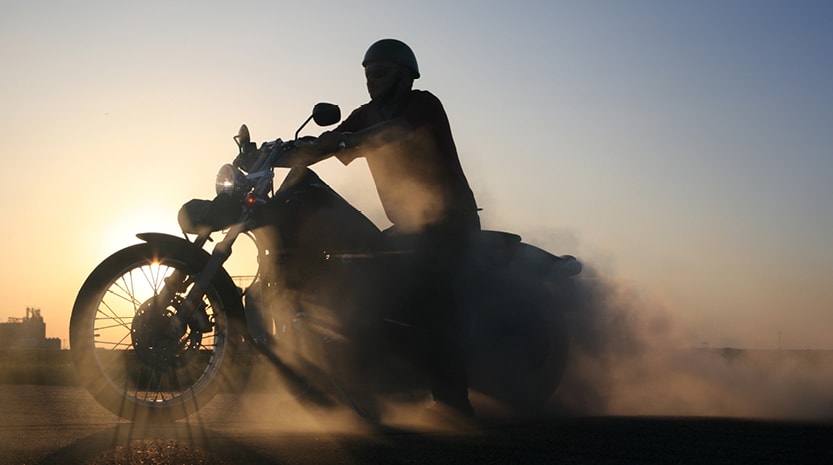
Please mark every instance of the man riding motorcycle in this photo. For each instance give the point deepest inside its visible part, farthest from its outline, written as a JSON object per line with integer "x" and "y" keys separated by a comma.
{"x": 404, "y": 135}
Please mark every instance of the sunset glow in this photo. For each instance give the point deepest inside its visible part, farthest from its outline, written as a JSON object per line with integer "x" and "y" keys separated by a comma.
{"x": 681, "y": 150}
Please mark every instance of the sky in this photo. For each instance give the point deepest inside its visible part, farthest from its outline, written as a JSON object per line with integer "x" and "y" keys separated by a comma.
{"x": 682, "y": 150}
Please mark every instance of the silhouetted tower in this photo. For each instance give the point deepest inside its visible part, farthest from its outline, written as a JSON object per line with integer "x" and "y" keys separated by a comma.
{"x": 27, "y": 333}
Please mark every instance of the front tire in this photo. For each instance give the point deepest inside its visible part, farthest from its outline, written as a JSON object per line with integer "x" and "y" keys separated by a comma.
{"x": 121, "y": 351}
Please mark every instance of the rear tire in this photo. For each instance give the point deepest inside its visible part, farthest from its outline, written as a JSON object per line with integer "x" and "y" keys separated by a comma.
{"x": 121, "y": 353}
{"x": 520, "y": 347}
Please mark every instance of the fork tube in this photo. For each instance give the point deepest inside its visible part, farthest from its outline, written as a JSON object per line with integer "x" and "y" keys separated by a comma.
{"x": 221, "y": 253}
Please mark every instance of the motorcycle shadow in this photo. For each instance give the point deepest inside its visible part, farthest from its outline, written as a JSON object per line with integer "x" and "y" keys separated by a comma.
{"x": 211, "y": 440}
{"x": 318, "y": 393}
{"x": 129, "y": 443}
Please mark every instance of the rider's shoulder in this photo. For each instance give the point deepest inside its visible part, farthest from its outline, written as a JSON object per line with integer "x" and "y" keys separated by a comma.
{"x": 424, "y": 95}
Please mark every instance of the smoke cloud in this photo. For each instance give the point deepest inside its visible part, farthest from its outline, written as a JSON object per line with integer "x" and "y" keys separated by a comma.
{"x": 627, "y": 359}
{"x": 630, "y": 355}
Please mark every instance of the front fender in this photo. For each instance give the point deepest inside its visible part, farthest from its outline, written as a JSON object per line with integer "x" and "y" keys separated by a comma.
{"x": 232, "y": 300}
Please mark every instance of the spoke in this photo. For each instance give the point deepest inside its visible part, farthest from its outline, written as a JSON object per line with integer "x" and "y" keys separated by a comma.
{"x": 155, "y": 276}
{"x": 124, "y": 319}
{"x": 159, "y": 278}
{"x": 126, "y": 295}
{"x": 193, "y": 374}
{"x": 209, "y": 349}
{"x": 158, "y": 391}
{"x": 118, "y": 361}
{"x": 114, "y": 344}
{"x": 145, "y": 270}
{"x": 133, "y": 300}
{"x": 147, "y": 390}
{"x": 175, "y": 384}
{"x": 121, "y": 341}
{"x": 129, "y": 288}
{"x": 112, "y": 314}
{"x": 115, "y": 325}
{"x": 126, "y": 379}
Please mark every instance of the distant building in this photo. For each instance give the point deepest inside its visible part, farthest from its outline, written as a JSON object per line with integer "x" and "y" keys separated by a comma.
{"x": 27, "y": 333}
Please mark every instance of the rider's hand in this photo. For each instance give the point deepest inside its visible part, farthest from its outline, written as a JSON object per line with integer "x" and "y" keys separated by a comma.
{"x": 306, "y": 143}
{"x": 332, "y": 141}
{"x": 308, "y": 150}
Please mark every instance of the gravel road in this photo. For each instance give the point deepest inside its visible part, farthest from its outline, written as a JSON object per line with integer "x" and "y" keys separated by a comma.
{"x": 64, "y": 425}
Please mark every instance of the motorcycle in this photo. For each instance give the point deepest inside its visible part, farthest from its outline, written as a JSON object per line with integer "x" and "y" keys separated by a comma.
{"x": 158, "y": 328}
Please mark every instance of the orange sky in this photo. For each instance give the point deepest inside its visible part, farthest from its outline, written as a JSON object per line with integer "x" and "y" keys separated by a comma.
{"x": 681, "y": 150}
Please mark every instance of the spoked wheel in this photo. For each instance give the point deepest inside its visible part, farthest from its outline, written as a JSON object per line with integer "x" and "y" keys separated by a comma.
{"x": 129, "y": 347}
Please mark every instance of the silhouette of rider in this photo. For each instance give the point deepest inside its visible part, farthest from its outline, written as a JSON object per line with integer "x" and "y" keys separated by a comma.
{"x": 405, "y": 136}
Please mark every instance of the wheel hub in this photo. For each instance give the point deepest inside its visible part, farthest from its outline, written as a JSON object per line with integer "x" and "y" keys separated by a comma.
{"x": 155, "y": 344}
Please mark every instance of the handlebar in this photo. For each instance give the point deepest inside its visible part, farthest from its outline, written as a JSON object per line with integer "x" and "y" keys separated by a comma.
{"x": 301, "y": 151}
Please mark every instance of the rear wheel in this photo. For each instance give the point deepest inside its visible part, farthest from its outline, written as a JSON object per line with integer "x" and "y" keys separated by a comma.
{"x": 121, "y": 344}
{"x": 520, "y": 347}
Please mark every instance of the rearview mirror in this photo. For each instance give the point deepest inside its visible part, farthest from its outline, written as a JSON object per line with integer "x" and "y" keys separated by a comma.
{"x": 242, "y": 138}
{"x": 326, "y": 114}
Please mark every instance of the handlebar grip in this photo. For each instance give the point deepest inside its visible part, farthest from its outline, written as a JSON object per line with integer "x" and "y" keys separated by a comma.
{"x": 346, "y": 141}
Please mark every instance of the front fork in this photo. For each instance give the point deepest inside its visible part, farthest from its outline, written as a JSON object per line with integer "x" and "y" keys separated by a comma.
{"x": 193, "y": 306}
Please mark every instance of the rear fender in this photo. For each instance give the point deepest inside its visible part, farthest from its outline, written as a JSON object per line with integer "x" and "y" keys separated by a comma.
{"x": 556, "y": 273}
{"x": 506, "y": 250}
{"x": 533, "y": 260}
{"x": 232, "y": 301}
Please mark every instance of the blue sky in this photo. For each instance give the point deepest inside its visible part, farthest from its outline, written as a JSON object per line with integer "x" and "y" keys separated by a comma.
{"x": 683, "y": 149}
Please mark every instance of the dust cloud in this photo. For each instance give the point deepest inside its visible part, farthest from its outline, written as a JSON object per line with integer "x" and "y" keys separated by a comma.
{"x": 270, "y": 398}
{"x": 628, "y": 359}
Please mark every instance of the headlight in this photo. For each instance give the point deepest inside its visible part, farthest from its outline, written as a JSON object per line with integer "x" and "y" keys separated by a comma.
{"x": 229, "y": 180}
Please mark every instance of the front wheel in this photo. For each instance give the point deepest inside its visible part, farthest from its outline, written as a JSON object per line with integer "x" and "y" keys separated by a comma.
{"x": 121, "y": 346}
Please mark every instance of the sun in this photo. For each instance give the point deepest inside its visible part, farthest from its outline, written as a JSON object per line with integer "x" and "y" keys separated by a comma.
{"x": 120, "y": 232}
{"x": 121, "y": 228}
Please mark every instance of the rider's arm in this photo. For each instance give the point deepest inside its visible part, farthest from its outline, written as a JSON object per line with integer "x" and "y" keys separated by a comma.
{"x": 304, "y": 154}
{"x": 371, "y": 138}
{"x": 330, "y": 142}
{"x": 310, "y": 150}
{"x": 382, "y": 133}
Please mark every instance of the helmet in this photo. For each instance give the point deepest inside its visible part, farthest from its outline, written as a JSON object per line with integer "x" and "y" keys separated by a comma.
{"x": 394, "y": 51}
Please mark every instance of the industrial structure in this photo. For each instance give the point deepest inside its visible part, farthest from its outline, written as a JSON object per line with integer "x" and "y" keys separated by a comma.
{"x": 27, "y": 333}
